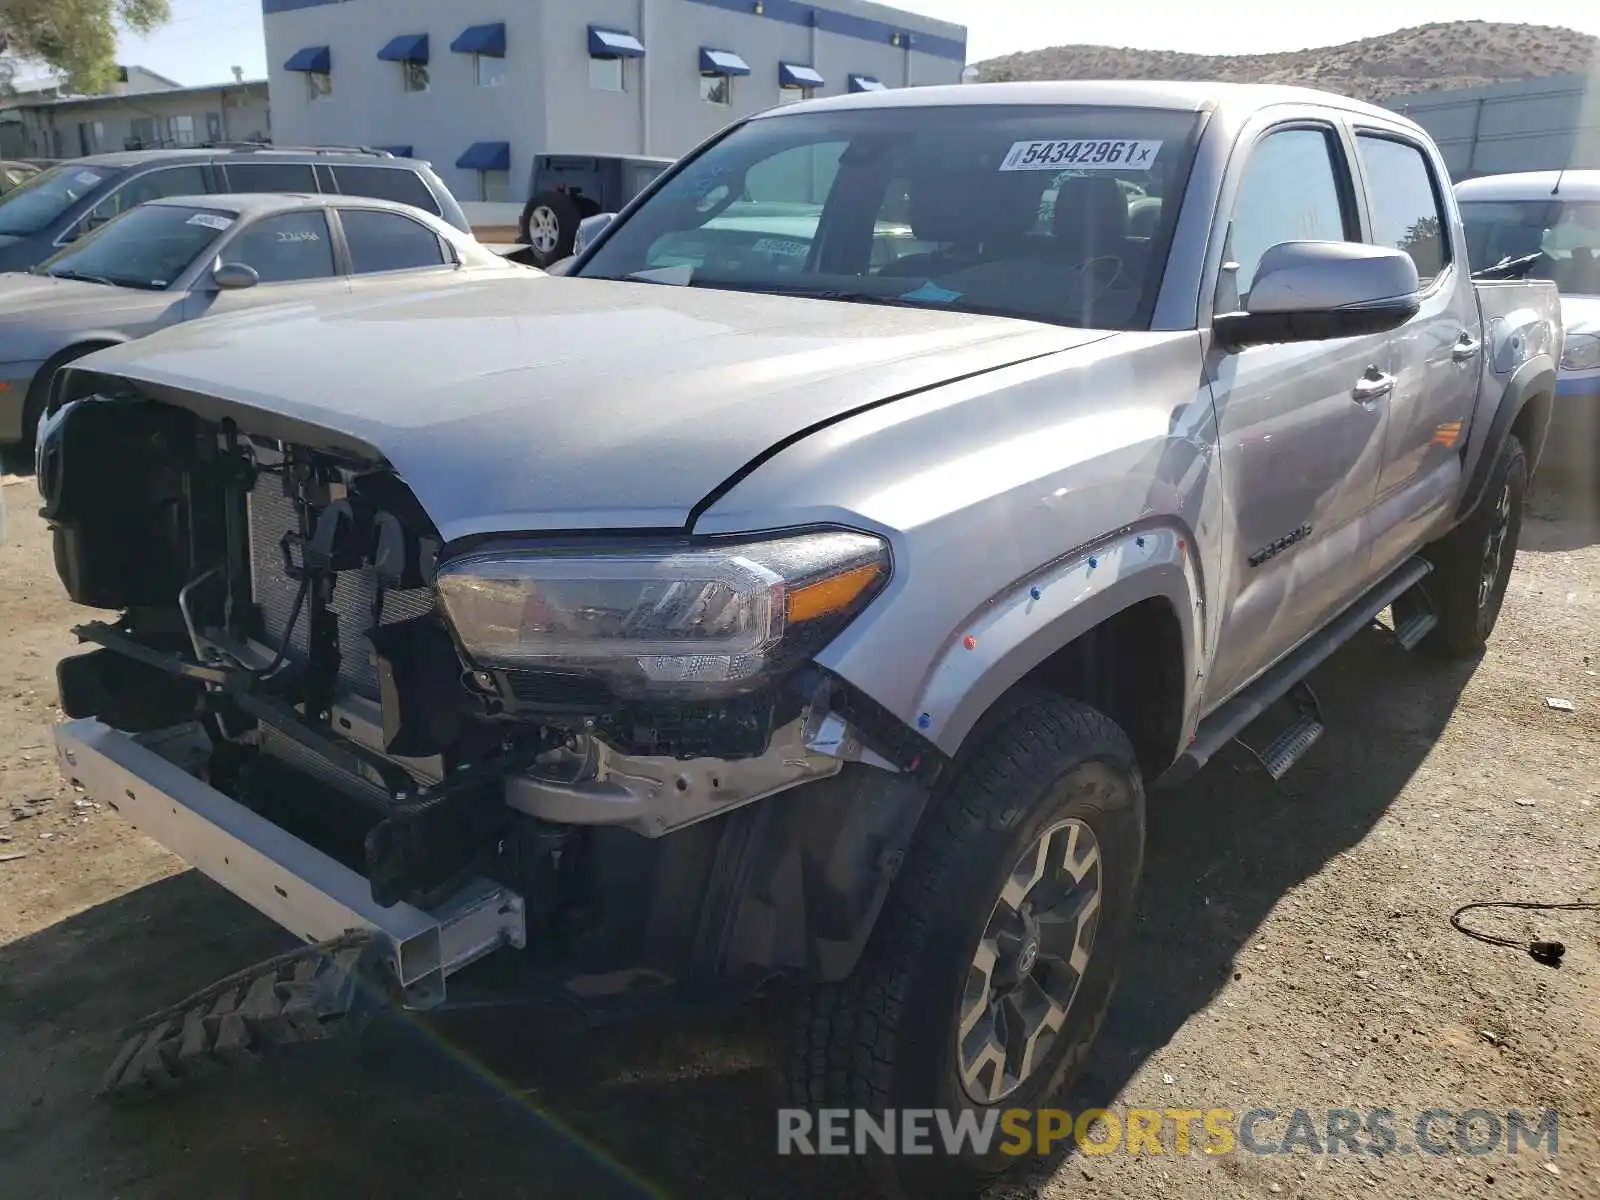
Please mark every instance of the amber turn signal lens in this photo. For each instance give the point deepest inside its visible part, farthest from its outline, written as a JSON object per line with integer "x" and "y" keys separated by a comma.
{"x": 834, "y": 594}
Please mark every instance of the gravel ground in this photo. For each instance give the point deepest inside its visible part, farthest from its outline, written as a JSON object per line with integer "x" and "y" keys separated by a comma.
{"x": 1294, "y": 951}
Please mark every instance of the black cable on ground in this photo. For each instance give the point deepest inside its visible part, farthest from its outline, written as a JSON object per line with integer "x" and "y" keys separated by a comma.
{"x": 1549, "y": 953}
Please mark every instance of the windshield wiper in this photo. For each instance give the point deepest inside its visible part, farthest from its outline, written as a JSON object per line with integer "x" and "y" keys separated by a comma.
{"x": 84, "y": 276}
{"x": 1510, "y": 268}
{"x": 811, "y": 293}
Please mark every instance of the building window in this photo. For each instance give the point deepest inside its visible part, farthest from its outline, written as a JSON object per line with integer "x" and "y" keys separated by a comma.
{"x": 793, "y": 95}
{"x": 495, "y": 186}
{"x": 213, "y": 127}
{"x": 491, "y": 71}
{"x": 717, "y": 89}
{"x": 143, "y": 133}
{"x": 608, "y": 74}
{"x": 180, "y": 130}
{"x": 416, "y": 76}
{"x": 319, "y": 84}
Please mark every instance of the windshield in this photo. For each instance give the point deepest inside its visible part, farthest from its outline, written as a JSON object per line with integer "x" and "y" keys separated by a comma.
{"x": 1055, "y": 214}
{"x": 32, "y": 205}
{"x": 1564, "y": 234}
{"x": 147, "y": 247}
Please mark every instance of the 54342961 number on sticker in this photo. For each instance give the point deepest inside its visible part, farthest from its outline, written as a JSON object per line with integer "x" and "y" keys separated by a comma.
{"x": 1084, "y": 154}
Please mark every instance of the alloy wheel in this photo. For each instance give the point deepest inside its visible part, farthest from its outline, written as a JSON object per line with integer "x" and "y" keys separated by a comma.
{"x": 1494, "y": 549}
{"x": 544, "y": 230}
{"x": 1030, "y": 961}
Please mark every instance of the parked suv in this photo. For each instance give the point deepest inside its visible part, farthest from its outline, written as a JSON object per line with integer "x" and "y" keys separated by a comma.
{"x": 565, "y": 189}
{"x": 71, "y": 199}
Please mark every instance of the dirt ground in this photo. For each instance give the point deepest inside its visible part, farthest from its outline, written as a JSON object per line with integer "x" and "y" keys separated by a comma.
{"x": 1293, "y": 951}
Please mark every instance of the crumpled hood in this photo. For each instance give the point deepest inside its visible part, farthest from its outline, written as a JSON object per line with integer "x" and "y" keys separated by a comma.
{"x": 531, "y": 403}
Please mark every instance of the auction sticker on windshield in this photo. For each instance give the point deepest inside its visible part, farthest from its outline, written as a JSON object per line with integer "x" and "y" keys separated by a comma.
{"x": 1084, "y": 154}
{"x": 210, "y": 220}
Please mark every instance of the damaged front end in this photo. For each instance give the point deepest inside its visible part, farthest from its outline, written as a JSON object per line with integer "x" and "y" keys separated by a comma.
{"x": 540, "y": 742}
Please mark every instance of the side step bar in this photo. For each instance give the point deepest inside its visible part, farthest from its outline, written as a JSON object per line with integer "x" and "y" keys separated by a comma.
{"x": 1217, "y": 730}
{"x": 309, "y": 894}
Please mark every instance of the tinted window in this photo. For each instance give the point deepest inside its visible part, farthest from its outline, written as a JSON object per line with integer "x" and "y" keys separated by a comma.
{"x": 270, "y": 177}
{"x": 1403, "y": 202}
{"x": 381, "y": 241}
{"x": 386, "y": 183}
{"x": 152, "y": 185}
{"x": 1019, "y": 211}
{"x": 285, "y": 247}
{"x": 40, "y": 200}
{"x": 1290, "y": 193}
{"x": 1562, "y": 236}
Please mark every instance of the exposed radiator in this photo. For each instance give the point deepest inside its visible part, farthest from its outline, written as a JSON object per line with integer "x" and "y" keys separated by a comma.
{"x": 272, "y": 514}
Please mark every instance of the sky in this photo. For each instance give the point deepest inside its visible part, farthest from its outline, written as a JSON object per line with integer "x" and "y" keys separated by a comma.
{"x": 207, "y": 38}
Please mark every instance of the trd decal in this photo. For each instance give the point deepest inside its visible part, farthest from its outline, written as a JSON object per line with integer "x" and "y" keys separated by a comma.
{"x": 1278, "y": 547}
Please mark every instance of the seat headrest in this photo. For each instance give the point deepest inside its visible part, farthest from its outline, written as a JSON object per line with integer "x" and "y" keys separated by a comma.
{"x": 1091, "y": 214}
{"x": 965, "y": 209}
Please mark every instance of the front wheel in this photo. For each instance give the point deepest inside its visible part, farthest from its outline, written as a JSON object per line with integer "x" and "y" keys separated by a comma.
{"x": 1472, "y": 564}
{"x": 993, "y": 964}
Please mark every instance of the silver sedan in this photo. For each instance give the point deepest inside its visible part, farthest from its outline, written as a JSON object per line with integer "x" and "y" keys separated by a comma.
{"x": 185, "y": 257}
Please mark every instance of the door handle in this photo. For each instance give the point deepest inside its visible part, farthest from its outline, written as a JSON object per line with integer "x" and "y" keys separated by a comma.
{"x": 1372, "y": 385}
{"x": 1466, "y": 347}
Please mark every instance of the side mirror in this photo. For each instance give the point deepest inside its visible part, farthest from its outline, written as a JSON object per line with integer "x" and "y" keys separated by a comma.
{"x": 1316, "y": 291}
{"x": 233, "y": 276}
{"x": 590, "y": 228}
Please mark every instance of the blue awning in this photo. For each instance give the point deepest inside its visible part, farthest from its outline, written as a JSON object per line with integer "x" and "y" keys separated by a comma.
{"x": 722, "y": 62}
{"x": 312, "y": 58}
{"x": 489, "y": 40}
{"x": 866, "y": 83}
{"x": 408, "y": 47}
{"x": 613, "y": 43}
{"x": 793, "y": 75}
{"x": 486, "y": 156}
{"x": 397, "y": 151}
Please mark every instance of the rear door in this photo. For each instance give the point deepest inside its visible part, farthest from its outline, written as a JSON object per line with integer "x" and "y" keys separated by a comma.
{"x": 1438, "y": 356}
{"x": 1300, "y": 431}
{"x": 270, "y": 176}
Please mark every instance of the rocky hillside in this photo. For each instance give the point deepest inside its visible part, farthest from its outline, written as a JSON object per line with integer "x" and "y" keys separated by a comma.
{"x": 1452, "y": 54}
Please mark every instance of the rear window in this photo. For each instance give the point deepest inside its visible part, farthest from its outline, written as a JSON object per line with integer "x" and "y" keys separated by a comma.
{"x": 387, "y": 241}
{"x": 386, "y": 183}
{"x": 36, "y": 202}
{"x": 270, "y": 177}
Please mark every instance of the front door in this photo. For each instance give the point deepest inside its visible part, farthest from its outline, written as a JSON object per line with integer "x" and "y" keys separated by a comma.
{"x": 291, "y": 252}
{"x": 1438, "y": 358}
{"x": 1300, "y": 426}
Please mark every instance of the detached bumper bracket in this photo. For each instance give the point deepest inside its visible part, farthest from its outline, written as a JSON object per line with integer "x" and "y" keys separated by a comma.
{"x": 282, "y": 877}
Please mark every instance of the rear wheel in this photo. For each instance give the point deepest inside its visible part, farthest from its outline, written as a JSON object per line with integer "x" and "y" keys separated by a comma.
{"x": 1472, "y": 564}
{"x": 549, "y": 225}
{"x": 993, "y": 964}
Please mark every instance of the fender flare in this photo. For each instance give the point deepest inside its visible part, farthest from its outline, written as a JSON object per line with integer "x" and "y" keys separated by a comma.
{"x": 1040, "y": 615}
{"x": 1533, "y": 379}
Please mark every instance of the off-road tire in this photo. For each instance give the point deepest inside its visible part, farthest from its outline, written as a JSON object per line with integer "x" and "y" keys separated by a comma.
{"x": 886, "y": 1037}
{"x": 1459, "y": 559}
{"x": 567, "y": 216}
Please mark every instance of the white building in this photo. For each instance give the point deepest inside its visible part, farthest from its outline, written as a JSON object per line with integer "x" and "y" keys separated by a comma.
{"x": 478, "y": 87}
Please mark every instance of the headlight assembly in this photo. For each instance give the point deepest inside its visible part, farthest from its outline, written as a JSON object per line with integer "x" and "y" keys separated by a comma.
{"x": 654, "y": 619}
{"x": 1581, "y": 352}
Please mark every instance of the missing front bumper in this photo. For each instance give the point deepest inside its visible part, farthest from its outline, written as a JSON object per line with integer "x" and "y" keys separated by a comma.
{"x": 282, "y": 877}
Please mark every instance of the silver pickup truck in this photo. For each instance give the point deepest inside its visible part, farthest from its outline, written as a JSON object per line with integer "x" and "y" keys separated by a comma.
{"x": 801, "y": 597}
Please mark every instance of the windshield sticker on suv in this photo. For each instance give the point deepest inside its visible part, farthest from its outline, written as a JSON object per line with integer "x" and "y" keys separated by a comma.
{"x": 210, "y": 220}
{"x": 1085, "y": 154}
{"x": 782, "y": 247}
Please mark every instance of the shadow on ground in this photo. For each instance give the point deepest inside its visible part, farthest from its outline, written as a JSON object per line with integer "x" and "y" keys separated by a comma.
{"x": 482, "y": 1106}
